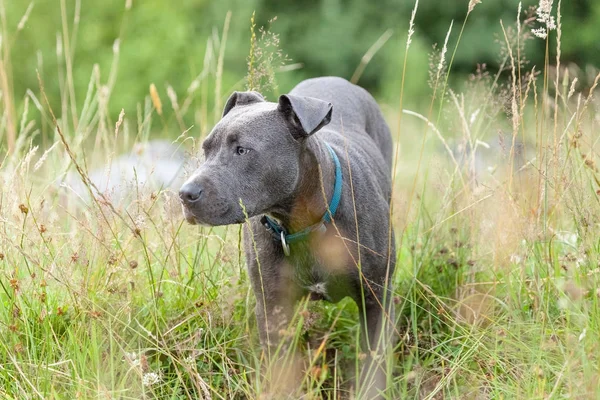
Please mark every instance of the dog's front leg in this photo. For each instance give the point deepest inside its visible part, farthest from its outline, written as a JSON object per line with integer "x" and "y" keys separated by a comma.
{"x": 276, "y": 296}
{"x": 377, "y": 316}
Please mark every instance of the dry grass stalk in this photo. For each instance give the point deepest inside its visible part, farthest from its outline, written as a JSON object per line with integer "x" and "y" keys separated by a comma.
{"x": 155, "y": 99}
{"x": 219, "y": 75}
{"x": 119, "y": 122}
{"x": 366, "y": 58}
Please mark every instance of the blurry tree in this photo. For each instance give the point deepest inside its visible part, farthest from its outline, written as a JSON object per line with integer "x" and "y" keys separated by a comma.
{"x": 330, "y": 36}
{"x": 164, "y": 42}
{"x": 160, "y": 42}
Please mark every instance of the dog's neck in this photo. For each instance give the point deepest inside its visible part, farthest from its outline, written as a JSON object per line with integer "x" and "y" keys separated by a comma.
{"x": 313, "y": 193}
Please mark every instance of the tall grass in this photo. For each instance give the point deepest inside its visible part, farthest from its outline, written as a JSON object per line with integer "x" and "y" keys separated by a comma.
{"x": 496, "y": 210}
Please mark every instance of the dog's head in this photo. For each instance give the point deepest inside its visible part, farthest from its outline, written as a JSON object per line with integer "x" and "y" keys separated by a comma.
{"x": 252, "y": 157}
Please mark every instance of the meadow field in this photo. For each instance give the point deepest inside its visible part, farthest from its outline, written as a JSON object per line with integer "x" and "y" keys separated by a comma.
{"x": 496, "y": 212}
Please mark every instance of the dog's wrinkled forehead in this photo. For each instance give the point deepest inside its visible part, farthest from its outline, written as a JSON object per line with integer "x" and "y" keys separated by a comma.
{"x": 247, "y": 122}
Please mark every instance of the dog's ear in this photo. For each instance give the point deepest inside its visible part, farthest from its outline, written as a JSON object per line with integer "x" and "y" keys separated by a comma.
{"x": 242, "y": 99}
{"x": 306, "y": 114}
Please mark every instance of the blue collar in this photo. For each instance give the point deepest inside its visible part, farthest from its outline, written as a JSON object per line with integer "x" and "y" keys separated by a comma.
{"x": 281, "y": 234}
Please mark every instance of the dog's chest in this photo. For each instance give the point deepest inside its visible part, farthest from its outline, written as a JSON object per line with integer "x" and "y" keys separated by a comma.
{"x": 307, "y": 271}
{"x": 313, "y": 276}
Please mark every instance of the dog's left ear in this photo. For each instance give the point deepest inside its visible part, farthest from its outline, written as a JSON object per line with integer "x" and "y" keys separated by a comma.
{"x": 241, "y": 99}
{"x": 306, "y": 114}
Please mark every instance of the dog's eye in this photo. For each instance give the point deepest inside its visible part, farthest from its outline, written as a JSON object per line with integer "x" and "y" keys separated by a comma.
{"x": 240, "y": 151}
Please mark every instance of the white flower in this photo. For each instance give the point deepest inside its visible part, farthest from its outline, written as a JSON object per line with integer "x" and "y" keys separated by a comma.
{"x": 544, "y": 12}
{"x": 190, "y": 360}
{"x": 544, "y": 16}
{"x": 568, "y": 238}
{"x": 150, "y": 378}
{"x": 133, "y": 359}
{"x": 540, "y": 32}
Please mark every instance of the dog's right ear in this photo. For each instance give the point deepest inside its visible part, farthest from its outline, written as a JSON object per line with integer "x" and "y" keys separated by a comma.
{"x": 305, "y": 114}
{"x": 241, "y": 99}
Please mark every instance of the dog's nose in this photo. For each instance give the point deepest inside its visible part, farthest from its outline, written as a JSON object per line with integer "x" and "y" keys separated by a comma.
{"x": 190, "y": 193}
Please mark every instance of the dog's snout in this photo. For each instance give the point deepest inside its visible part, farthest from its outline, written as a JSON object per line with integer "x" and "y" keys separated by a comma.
{"x": 190, "y": 193}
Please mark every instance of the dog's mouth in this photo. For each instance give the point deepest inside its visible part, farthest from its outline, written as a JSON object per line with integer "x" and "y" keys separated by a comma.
{"x": 220, "y": 217}
{"x": 189, "y": 216}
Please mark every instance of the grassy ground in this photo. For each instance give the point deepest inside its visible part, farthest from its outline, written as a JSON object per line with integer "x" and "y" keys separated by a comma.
{"x": 497, "y": 285}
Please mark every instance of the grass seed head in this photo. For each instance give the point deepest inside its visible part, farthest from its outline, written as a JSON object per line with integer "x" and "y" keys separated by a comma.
{"x": 24, "y": 209}
{"x": 472, "y": 4}
{"x": 155, "y": 99}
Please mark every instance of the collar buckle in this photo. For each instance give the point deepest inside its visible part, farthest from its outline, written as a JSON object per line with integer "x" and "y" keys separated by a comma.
{"x": 284, "y": 244}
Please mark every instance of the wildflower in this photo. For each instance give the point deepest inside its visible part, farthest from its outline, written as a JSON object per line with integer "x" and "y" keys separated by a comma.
{"x": 190, "y": 360}
{"x": 23, "y": 208}
{"x": 150, "y": 378}
{"x": 568, "y": 238}
{"x": 133, "y": 359}
{"x": 544, "y": 16}
{"x": 540, "y": 32}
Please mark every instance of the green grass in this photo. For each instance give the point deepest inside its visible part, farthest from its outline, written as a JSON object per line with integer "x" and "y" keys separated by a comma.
{"x": 497, "y": 286}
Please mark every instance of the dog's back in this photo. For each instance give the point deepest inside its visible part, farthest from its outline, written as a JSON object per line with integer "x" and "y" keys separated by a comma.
{"x": 355, "y": 111}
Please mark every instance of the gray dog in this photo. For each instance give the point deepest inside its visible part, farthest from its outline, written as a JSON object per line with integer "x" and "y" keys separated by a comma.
{"x": 311, "y": 175}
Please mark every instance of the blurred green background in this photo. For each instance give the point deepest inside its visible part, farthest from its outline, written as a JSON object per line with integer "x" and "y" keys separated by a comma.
{"x": 164, "y": 42}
